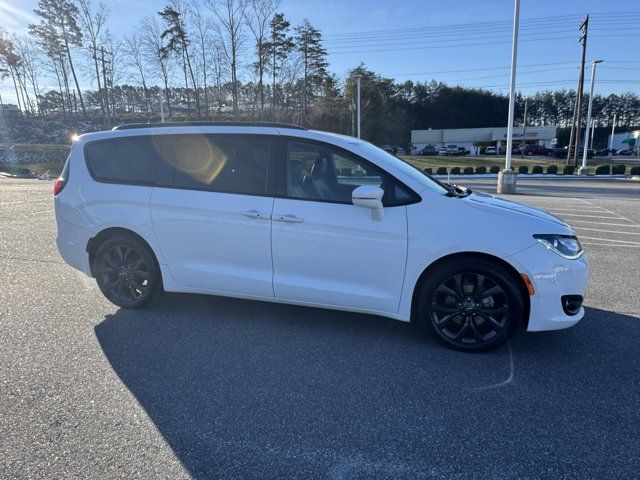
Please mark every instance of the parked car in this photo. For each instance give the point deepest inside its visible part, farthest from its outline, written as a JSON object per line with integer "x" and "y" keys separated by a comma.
{"x": 625, "y": 153}
{"x": 428, "y": 150}
{"x": 536, "y": 150}
{"x": 562, "y": 152}
{"x": 452, "y": 150}
{"x": 283, "y": 214}
{"x": 400, "y": 151}
{"x": 443, "y": 151}
{"x": 490, "y": 151}
{"x": 605, "y": 152}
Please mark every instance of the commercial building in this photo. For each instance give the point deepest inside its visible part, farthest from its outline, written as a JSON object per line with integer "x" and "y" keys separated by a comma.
{"x": 625, "y": 140}
{"x": 473, "y": 139}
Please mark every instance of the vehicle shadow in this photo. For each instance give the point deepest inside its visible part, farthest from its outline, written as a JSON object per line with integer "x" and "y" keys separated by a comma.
{"x": 243, "y": 389}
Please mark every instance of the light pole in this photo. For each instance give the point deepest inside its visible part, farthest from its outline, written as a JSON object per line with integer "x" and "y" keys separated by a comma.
{"x": 507, "y": 178}
{"x": 583, "y": 170}
{"x": 613, "y": 132}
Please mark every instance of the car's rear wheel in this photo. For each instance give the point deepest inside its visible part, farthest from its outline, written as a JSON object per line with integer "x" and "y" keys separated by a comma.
{"x": 126, "y": 271}
{"x": 470, "y": 304}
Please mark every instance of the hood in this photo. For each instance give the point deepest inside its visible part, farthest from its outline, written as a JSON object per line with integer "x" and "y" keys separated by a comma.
{"x": 490, "y": 203}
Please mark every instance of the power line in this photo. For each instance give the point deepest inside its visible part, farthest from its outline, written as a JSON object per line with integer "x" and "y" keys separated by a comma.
{"x": 536, "y": 20}
{"x": 437, "y": 45}
{"x": 480, "y": 69}
{"x": 602, "y": 27}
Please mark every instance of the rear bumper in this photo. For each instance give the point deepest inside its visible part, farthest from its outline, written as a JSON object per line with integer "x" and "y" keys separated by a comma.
{"x": 552, "y": 276}
{"x": 72, "y": 243}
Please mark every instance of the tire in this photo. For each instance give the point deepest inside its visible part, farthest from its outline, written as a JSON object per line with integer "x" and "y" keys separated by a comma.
{"x": 126, "y": 271}
{"x": 454, "y": 307}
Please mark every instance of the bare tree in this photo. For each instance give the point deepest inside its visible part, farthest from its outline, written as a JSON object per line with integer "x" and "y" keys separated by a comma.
{"x": 30, "y": 63}
{"x": 230, "y": 15}
{"x": 152, "y": 45}
{"x": 258, "y": 15}
{"x": 203, "y": 29}
{"x": 132, "y": 47}
{"x": 91, "y": 24}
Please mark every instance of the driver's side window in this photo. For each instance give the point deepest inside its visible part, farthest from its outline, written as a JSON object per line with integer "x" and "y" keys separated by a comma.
{"x": 319, "y": 172}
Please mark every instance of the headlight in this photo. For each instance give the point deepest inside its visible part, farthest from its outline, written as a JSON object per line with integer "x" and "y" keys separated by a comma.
{"x": 566, "y": 246}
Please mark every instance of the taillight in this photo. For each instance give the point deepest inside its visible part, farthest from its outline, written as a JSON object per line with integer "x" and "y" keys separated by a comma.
{"x": 59, "y": 185}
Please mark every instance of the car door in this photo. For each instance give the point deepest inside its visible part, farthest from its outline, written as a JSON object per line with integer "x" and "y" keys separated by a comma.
{"x": 327, "y": 251}
{"x": 212, "y": 219}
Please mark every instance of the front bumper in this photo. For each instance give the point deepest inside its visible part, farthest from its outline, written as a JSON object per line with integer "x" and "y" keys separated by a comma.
{"x": 552, "y": 276}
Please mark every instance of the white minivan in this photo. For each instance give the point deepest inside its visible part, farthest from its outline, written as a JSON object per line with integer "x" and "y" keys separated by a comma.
{"x": 279, "y": 213}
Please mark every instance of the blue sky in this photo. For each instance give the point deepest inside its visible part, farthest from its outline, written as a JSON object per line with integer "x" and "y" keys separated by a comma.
{"x": 462, "y": 42}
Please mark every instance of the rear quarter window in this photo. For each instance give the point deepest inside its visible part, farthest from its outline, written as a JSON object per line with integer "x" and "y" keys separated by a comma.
{"x": 123, "y": 160}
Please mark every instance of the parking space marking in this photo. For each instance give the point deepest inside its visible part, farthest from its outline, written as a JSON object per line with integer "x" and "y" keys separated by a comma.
{"x": 605, "y": 223}
{"x": 584, "y": 209}
{"x": 606, "y": 231}
{"x": 611, "y": 240}
{"x": 610, "y": 245}
{"x": 590, "y": 216}
{"x": 611, "y": 212}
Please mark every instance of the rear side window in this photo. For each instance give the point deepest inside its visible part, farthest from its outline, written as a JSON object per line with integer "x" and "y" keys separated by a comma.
{"x": 123, "y": 160}
{"x": 218, "y": 163}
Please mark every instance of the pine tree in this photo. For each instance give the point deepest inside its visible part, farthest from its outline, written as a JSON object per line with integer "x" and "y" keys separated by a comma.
{"x": 178, "y": 43}
{"x": 58, "y": 22}
{"x": 278, "y": 48}
{"x": 314, "y": 60}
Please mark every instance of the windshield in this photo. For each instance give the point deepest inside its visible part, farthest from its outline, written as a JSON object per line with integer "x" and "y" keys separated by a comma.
{"x": 428, "y": 181}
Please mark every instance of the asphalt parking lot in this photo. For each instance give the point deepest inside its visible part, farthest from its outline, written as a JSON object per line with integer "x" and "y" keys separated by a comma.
{"x": 206, "y": 387}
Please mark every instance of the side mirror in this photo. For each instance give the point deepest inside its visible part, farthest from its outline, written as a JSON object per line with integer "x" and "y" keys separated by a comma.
{"x": 369, "y": 196}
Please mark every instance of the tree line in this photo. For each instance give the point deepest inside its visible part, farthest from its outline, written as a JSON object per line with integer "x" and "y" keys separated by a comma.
{"x": 241, "y": 59}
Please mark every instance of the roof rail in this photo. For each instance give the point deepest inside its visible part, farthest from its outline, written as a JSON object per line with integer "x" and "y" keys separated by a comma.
{"x": 205, "y": 123}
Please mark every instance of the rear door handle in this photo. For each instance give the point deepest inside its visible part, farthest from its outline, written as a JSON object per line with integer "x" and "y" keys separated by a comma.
{"x": 257, "y": 215}
{"x": 287, "y": 218}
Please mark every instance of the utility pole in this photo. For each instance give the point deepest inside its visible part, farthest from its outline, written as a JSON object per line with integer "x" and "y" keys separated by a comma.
{"x": 583, "y": 38}
{"x": 105, "y": 94}
{"x": 358, "y": 86}
{"x": 507, "y": 178}
{"x": 593, "y": 132}
{"x": 524, "y": 129}
{"x": 584, "y": 170}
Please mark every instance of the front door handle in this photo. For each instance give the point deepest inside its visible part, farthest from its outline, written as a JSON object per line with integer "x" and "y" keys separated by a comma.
{"x": 287, "y": 218}
{"x": 257, "y": 215}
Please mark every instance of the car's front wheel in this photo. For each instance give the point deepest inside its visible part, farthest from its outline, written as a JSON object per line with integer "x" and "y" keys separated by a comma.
{"x": 126, "y": 271}
{"x": 470, "y": 304}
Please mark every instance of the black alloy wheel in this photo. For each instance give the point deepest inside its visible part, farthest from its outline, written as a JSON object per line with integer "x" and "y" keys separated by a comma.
{"x": 469, "y": 308}
{"x": 471, "y": 305}
{"x": 126, "y": 272}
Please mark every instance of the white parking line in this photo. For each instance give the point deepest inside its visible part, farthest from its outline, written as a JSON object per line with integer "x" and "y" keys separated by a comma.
{"x": 576, "y": 210}
{"x": 610, "y": 245}
{"x": 612, "y": 212}
{"x": 609, "y": 240}
{"x": 590, "y": 216}
{"x": 607, "y": 231}
{"x": 604, "y": 223}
